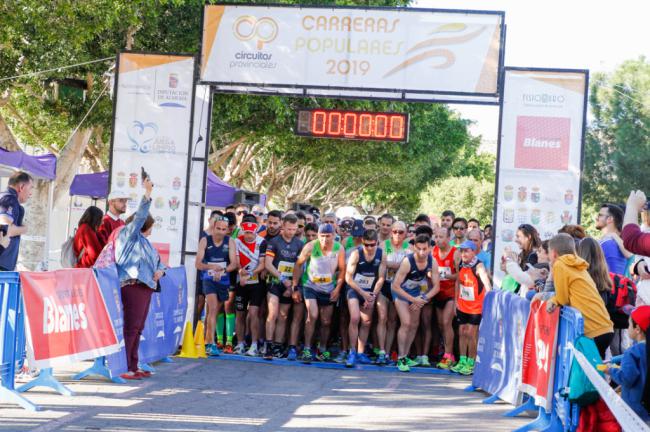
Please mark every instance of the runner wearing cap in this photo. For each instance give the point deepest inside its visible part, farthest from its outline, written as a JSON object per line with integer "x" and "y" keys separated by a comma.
{"x": 325, "y": 271}
{"x": 281, "y": 256}
{"x": 472, "y": 284}
{"x": 447, "y": 258}
{"x": 395, "y": 249}
{"x": 249, "y": 293}
{"x": 215, "y": 258}
{"x": 364, "y": 277}
{"x": 415, "y": 284}
{"x": 117, "y": 201}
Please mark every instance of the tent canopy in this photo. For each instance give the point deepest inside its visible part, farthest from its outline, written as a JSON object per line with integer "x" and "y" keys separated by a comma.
{"x": 43, "y": 166}
{"x": 219, "y": 193}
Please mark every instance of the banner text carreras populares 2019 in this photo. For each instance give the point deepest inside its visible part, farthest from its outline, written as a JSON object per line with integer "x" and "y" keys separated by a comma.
{"x": 384, "y": 49}
{"x": 153, "y": 109}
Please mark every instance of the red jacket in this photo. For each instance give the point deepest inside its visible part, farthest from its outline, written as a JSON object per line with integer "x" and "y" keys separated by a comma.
{"x": 87, "y": 239}
{"x": 107, "y": 227}
{"x": 636, "y": 241}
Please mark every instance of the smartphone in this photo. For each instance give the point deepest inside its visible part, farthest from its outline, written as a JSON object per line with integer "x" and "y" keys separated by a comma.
{"x": 143, "y": 173}
{"x": 4, "y": 229}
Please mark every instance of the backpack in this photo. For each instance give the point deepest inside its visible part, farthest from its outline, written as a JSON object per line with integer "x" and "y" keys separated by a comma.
{"x": 107, "y": 257}
{"x": 581, "y": 390}
{"x": 623, "y": 294}
{"x": 68, "y": 258}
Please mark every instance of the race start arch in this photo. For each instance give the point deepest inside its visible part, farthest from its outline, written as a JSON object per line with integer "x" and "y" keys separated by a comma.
{"x": 162, "y": 103}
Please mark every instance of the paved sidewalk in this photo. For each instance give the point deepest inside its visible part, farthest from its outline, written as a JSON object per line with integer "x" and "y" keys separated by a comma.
{"x": 227, "y": 395}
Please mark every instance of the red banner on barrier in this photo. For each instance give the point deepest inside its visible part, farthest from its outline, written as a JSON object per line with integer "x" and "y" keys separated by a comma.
{"x": 540, "y": 345}
{"x": 66, "y": 319}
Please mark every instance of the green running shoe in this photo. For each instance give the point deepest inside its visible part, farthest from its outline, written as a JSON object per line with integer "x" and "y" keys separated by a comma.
{"x": 306, "y": 356}
{"x": 411, "y": 363}
{"x": 325, "y": 356}
{"x": 458, "y": 366}
{"x": 402, "y": 365}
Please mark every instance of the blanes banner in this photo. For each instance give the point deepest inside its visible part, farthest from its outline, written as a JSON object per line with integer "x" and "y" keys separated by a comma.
{"x": 384, "y": 49}
{"x": 66, "y": 319}
{"x": 540, "y": 154}
{"x": 152, "y": 126}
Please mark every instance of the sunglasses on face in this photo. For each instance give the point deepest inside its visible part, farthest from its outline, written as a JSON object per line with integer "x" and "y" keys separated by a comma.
{"x": 219, "y": 218}
{"x": 400, "y": 231}
{"x": 300, "y": 226}
{"x": 411, "y": 231}
{"x": 258, "y": 213}
{"x": 369, "y": 245}
{"x": 459, "y": 227}
{"x": 241, "y": 212}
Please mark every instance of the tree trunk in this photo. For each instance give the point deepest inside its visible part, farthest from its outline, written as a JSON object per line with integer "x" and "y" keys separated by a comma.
{"x": 68, "y": 161}
{"x": 7, "y": 139}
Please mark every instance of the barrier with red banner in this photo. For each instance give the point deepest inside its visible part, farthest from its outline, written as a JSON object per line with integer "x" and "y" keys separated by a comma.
{"x": 66, "y": 319}
{"x": 540, "y": 345}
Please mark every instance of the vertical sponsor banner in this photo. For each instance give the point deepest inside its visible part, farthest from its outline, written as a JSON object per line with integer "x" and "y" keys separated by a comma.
{"x": 109, "y": 284}
{"x": 151, "y": 130}
{"x": 540, "y": 345}
{"x": 540, "y": 154}
{"x": 514, "y": 330}
{"x": 66, "y": 318}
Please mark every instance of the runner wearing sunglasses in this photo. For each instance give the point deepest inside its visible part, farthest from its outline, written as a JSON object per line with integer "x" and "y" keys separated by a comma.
{"x": 459, "y": 231}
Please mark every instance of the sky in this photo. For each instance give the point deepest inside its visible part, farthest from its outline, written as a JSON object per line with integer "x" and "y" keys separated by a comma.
{"x": 596, "y": 35}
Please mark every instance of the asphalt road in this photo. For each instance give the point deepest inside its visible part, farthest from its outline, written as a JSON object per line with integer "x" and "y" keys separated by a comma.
{"x": 230, "y": 395}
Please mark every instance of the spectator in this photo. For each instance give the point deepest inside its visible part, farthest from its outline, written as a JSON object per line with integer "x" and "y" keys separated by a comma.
{"x": 87, "y": 245}
{"x": 574, "y": 287}
{"x": 575, "y": 231}
{"x": 534, "y": 278}
{"x": 4, "y": 241}
{"x": 634, "y": 240}
{"x": 528, "y": 241}
{"x": 487, "y": 234}
{"x": 139, "y": 269}
{"x": 610, "y": 222}
{"x": 117, "y": 201}
{"x": 12, "y": 213}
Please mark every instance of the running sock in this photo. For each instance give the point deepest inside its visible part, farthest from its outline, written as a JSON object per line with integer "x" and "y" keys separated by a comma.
{"x": 221, "y": 320}
{"x": 230, "y": 327}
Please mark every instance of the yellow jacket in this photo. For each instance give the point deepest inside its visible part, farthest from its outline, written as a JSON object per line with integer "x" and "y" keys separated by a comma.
{"x": 574, "y": 287}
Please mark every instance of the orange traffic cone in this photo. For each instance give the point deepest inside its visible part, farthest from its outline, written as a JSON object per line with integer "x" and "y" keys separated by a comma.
{"x": 188, "y": 350}
{"x": 199, "y": 340}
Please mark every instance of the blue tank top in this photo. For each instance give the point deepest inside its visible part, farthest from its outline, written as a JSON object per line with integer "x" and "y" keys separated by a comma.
{"x": 217, "y": 254}
{"x": 367, "y": 272}
{"x": 417, "y": 278}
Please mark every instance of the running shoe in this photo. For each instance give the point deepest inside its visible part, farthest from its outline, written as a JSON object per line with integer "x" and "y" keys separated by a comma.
{"x": 410, "y": 362}
{"x": 228, "y": 349}
{"x": 458, "y": 366}
{"x": 341, "y": 357}
{"x": 278, "y": 351}
{"x": 240, "y": 349}
{"x": 143, "y": 374}
{"x": 468, "y": 369}
{"x": 268, "y": 353}
{"x": 325, "y": 356}
{"x": 293, "y": 354}
{"x": 252, "y": 351}
{"x": 382, "y": 359}
{"x": 363, "y": 359}
{"x": 446, "y": 362}
{"x": 424, "y": 361}
{"x": 393, "y": 356}
{"x": 402, "y": 365}
{"x": 351, "y": 360}
{"x": 220, "y": 345}
{"x": 212, "y": 350}
{"x": 306, "y": 356}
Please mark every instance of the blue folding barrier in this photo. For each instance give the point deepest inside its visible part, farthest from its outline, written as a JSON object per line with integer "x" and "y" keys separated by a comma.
{"x": 12, "y": 339}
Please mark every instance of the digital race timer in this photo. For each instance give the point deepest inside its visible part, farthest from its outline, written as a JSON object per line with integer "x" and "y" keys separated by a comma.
{"x": 357, "y": 125}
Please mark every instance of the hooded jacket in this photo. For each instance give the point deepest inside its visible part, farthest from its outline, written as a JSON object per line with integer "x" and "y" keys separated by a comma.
{"x": 574, "y": 287}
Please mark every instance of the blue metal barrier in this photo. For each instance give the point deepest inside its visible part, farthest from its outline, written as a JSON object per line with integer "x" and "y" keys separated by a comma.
{"x": 12, "y": 339}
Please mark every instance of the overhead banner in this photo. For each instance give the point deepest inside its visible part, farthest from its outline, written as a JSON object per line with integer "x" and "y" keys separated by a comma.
{"x": 540, "y": 154}
{"x": 66, "y": 319}
{"x": 151, "y": 130}
{"x": 343, "y": 49}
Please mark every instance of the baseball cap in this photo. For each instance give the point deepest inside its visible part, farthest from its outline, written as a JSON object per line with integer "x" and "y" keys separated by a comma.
{"x": 641, "y": 316}
{"x": 468, "y": 244}
{"x": 357, "y": 228}
{"x": 326, "y": 229}
{"x": 117, "y": 194}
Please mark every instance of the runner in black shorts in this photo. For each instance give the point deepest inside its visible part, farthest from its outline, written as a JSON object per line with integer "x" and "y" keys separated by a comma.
{"x": 281, "y": 256}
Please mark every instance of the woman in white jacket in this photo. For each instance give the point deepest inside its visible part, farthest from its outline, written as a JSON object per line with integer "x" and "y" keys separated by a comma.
{"x": 534, "y": 275}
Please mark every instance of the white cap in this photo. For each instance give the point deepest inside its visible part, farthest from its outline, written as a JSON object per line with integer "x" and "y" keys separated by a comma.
{"x": 117, "y": 194}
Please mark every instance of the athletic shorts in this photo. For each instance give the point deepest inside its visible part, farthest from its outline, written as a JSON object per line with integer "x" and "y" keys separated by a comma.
{"x": 352, "y": 294}
{"x": 386, "y": 291}
{"x": 323, "y": 299}
{"x": 211, "y": 287}
{"x": 414, "y": 292}
{"x": 465, "y": 318}
{"x": 441, "y": 301}
{"x": 278, "y": 290}
{"x": 246, "y": 295}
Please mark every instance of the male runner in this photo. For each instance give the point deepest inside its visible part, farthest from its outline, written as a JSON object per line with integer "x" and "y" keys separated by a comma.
{"x": 395, "y": 250}
{"x": 273, "y": 225}
{"x": 472, "y": 284}
{"x": 459, "y": 228}
{"x": 281, "y": 256}
{"x": 215, "y": 258}
{"x": 447, "y": 218}
{"x": 364, "y": 277}
{"x": 415, "y": 284}
{"x": 385, "y": 225}
{"x": 300, "y": 232}
{"x": 249, "y": 293}
{"x": 324, "y": 258}
{"x": 447, "y": 258}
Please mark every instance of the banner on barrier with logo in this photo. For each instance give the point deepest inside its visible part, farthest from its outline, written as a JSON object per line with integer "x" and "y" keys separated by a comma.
{"x": 538, "y": 361}
{"x": 163, "y": 328}
{"x": 152, "y": 126}
{"x": 109, "y": 284}
{"x": 66, "y": 318}
{"x": 380, "y": 52}
{"x": 540, "y": 154}
{"x": 514, "y": 330}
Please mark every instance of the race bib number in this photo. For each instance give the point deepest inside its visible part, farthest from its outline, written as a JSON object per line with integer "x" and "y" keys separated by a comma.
{"x": 286, "y": 269}
{"x": 322, "y": 279}
{"x": 390, "y": 274}
{"x": 424, "y": 286}
{"x": 444, "y": 272}
{"x": 253, "y": 279}
{"x": 364, "y": 282}
{"x": 467, "y": 293}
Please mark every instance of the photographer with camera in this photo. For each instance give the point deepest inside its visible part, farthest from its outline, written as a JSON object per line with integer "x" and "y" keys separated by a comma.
{"x": 634, "y": 239}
